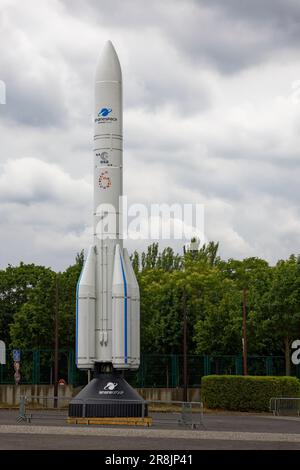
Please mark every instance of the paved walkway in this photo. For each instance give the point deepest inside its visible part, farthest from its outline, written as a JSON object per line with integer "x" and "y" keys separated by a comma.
{"x": 150, "y": 433}
{"x": 219, "y": 431}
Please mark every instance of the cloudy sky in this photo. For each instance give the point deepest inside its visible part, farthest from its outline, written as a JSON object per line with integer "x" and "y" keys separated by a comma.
{"x": 211, "y": 116}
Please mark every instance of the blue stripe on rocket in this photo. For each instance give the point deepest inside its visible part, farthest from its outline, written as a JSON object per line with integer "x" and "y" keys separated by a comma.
{"x": 125, "y": 311}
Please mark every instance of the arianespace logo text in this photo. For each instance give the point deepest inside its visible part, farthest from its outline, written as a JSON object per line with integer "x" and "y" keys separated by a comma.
{"x": 103, "y": 115}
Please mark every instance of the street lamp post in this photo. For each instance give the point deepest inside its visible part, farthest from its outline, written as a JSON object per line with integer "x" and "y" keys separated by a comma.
{"x": 185, "y": 373}
{"x": 56, "y": 343}
{"x": 244, "y": 339}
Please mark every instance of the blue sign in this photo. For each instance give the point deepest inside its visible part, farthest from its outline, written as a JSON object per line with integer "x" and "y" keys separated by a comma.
{"x": 17, "y": 355}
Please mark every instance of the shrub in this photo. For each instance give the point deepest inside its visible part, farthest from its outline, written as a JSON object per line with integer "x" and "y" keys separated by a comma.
{"x": 245, "y": 393}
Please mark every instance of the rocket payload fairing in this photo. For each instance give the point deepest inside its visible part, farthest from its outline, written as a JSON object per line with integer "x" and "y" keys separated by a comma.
{"x": 107, "y": 298}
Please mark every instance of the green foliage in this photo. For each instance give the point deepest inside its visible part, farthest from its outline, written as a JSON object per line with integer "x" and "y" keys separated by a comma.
{"x": 218, "y": 329}
{"x": 67, "y": 283}
{"x": 16, "y": 285}
{"x": 276, "y": 317}
{"x": 208, "y": 289}
{"x": 206, "y": 254}
{"x": 246, "y": 393}
{"x": 167, "y": 260}
{"x": 160, "y": 312}
{"x": 32, "y": 327}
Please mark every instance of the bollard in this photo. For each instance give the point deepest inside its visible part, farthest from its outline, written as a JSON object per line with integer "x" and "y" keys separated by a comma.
{"x": 22, "y": 409}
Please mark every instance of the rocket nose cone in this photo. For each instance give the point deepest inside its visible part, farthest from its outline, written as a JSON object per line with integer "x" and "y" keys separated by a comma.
{"x": 108, "y": 67}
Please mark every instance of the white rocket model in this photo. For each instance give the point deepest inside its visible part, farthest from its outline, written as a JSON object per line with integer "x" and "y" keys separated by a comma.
{"x": 107, "y": 299}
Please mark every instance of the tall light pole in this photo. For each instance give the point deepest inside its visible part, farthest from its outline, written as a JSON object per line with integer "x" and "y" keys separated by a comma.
{"x": 56, "y": 343}
{"x": 193, "y": 248}
{"x": 244, "y": 339}
{"x": 185, "y": 373}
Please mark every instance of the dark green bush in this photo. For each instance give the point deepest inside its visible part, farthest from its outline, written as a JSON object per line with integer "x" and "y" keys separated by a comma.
{"x": 246, "y": 393}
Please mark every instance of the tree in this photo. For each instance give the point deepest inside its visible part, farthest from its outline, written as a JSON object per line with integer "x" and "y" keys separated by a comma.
{"x": 218, "y": 328}
{"x": 254, "y": 275}
{"x": 67, "y": 304}
{"x": 281, "y": 318}
{"x": 32, "y": 326}
{"x": 206, "y": 254}
{"x": 16, "y": 284}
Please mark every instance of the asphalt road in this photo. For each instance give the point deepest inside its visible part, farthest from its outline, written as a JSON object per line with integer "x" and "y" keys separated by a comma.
{"x": 219, "y": 431}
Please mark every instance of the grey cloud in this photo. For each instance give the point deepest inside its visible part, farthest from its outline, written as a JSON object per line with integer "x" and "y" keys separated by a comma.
{"x": 29, "y": 181}
{"x": 34, "y": 104}
{"x": 179, "y": 144}
{"x": 281, "y": 13}
{"x": 229, "y": 35}
{"x": 34, "y": 95}
{"x": 235, "y": 34}
{"x": 187, "y": 100}
{"x": 125, "y": 15}
{"x": 237, "y": 180}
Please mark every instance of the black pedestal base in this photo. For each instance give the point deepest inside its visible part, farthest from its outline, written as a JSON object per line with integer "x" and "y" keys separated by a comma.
{"x": 108, "y": 396}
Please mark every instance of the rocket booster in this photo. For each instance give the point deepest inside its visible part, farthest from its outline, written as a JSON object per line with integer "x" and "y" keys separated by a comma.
{"x": 107, "y": 299}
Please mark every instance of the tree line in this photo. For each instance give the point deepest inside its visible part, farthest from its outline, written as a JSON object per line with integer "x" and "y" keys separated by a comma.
{"x": 208, "y": 288}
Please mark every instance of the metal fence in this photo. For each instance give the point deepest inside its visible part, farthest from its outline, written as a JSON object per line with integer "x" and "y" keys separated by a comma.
{"x": 285, "y": 406}
{"x": 42, "y": 407}
{"x": 166, "y": 371}
{"x": 163, "y": 413}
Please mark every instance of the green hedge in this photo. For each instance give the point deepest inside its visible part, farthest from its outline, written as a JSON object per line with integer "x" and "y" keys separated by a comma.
{"x": 245, "y": 393}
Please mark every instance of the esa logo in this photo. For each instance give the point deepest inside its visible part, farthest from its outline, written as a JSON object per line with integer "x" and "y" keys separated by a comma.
{"x": 104, "y": 112}
{"x": 296, "y": 354}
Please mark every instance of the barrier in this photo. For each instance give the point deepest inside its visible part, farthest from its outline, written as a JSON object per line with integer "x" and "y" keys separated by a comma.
{"x": 285, "y": 405}
{"x": 160, "y": 413}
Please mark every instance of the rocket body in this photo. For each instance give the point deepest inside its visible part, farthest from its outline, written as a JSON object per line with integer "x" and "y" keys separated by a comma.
{"x": 107, "y": 302}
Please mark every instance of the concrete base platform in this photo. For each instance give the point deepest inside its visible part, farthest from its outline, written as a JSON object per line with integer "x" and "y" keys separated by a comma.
{"x": 112, "y": 421}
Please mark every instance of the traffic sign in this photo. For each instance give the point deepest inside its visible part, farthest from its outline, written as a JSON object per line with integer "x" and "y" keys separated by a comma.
{"x": 16, "y": 355}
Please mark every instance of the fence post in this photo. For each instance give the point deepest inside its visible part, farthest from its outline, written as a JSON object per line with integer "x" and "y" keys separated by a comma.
{"x": 36, "y": 366}
{"x": 269, "y": 365}
{"x": 39, "y": 367}
{"x": 206, "y": 365}
{"x": 238, "y": 365}
{"x": 142, "y": 367}
{"x": 33, "y": 379}
{"x": 139, "y": 374}
{"x": 71, "y": 368}
{"x": 298, "y": 371}
{"x": 174, "y": 373}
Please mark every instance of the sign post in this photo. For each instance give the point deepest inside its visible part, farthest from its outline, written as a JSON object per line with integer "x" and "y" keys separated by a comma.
{"x": 17, "y": 360}
{"x": 2, "y": 353}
